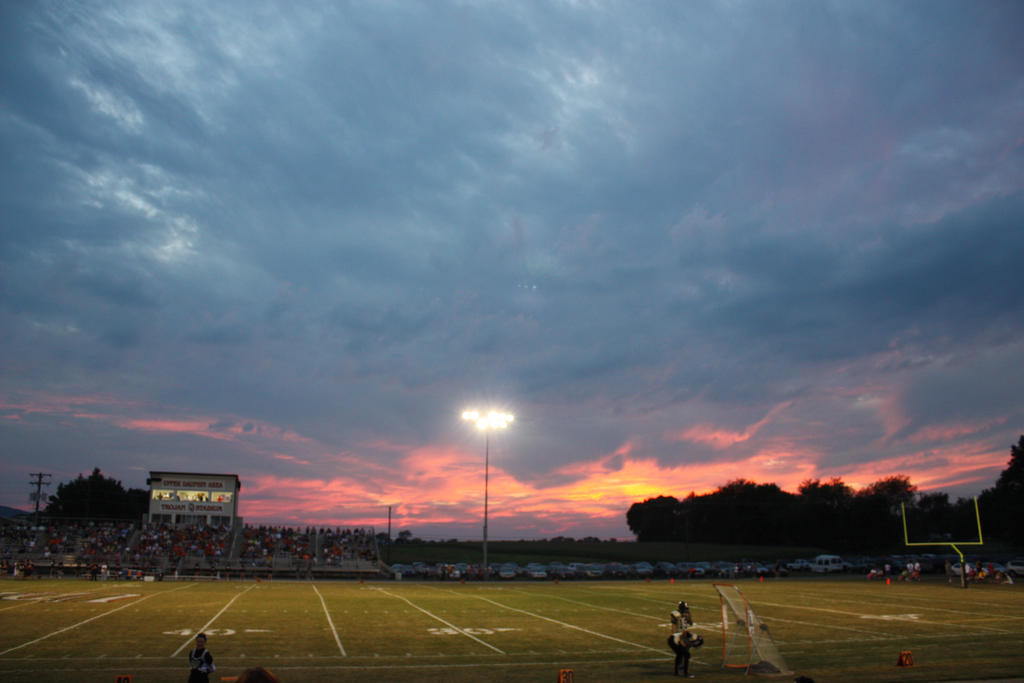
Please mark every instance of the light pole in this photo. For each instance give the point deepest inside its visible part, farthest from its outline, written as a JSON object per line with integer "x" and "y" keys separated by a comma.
{"x": 485, "y": 423}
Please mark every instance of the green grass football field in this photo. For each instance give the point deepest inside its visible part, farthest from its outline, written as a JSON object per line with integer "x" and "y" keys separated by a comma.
{"x": 827, "y": 629}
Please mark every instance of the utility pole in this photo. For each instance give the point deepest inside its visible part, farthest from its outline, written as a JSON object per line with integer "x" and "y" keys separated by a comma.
{"x": 39, "y": 483}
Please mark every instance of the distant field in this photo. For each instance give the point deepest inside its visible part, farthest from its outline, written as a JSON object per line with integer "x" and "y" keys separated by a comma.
{"x": 828, "y": 629}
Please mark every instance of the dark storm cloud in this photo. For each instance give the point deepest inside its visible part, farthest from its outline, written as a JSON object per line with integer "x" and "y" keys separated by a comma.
{"x": 632, "y": 220}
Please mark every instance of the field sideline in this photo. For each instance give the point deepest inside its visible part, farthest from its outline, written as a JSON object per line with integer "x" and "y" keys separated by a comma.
{"x": 828, "y": 629}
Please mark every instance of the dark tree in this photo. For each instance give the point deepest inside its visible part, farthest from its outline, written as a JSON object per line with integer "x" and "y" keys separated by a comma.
{"x": 824, "y": 512}
{"x": 97, "y": 497}
{"x": 655, "y": 519}
{"x": 875, "y": 513}
{"x": 1011, "y": 479}
{"x": 1002, "y": 506}
{"x": 831, "y": 513}
{"x": 893, "y": 491}
{"x": 738, "y": 512}
{"x": 756, "y": 513}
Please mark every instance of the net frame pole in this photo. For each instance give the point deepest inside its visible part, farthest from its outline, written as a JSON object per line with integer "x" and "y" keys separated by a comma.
{"x": 760, "y": 645}
{"x": 727, "y": 649}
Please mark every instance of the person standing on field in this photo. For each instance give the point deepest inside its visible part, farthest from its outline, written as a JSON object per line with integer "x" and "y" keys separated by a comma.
{"x": 681, "y": 639}
{"x": 681, "y": 617}
{"x": 200, "y": 662}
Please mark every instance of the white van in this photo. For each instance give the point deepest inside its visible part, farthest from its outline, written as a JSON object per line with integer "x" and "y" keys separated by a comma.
{"x": 826, "y": 564}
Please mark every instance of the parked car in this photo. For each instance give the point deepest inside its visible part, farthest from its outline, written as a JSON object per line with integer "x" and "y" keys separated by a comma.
{"x": 558, "y": 570}
{"x": 725, "y": 569}
{"x": 643, "y": 570}
{"x": 930, "y": 563}
{"x": 535, "y": 570}
{"x": 690, "y": 570}
{"x": 1016, "y": 566}
{"x": 827, "y": 564}
{"x": 665, "y": 569}
{"x": 595, "y": 570}
{"x": 579, "y": 570}
{"x": 618, "y": 570}
{"x": 799, "y": 565}
{"x": 404, "y": 570}
{"x": 862, "y": 564}
{"x": 509, "y": 570}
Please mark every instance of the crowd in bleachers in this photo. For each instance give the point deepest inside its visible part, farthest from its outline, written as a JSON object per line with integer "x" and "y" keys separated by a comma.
{"x": 347, "y": 544}
{"x": 191, "y": 548}
{"x": 258, "y": 545}
{"x": 103, "y": 541}
{"x": 169, "y": 545}
{"x": 307, "y": 547}
{"x": 297, "y": 543}
{"x": 17, "y": 539}
{"x": 84, "y": 540}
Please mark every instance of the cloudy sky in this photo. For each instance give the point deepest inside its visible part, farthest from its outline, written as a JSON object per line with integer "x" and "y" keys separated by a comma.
{"x": 684, "y": 242}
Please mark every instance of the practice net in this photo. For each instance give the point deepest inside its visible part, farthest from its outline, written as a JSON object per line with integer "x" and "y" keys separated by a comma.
{"x": 746, "y": 641}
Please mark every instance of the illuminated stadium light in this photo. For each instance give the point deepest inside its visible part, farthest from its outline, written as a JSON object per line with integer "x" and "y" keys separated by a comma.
{"x": 492, "y": 420}
{"x": 485, "y": 423}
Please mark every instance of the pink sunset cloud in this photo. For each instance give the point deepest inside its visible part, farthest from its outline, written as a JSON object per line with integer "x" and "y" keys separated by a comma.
{"x": 437, "y": 486}
{"x": 720, "y": 438}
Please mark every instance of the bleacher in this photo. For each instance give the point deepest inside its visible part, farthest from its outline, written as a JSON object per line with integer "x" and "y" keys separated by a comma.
{"x": 191, "y": 551}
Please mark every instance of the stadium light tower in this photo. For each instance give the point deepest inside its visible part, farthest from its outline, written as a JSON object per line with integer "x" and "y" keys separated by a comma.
{"x": 485, "y": 423}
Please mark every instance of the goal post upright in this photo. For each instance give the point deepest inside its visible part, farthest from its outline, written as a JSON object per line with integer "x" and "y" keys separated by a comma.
{"x": 952, "y": 544}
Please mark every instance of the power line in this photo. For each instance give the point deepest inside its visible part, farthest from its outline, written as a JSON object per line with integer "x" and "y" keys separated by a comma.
{"x": 39, "y": 483}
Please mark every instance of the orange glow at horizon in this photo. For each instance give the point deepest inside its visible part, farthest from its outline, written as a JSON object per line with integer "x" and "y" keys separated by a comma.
{"x": 438, "y": 486}
{"x": 430, "y": 485}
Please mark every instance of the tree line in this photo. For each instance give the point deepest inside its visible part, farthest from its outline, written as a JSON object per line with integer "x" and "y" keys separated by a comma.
{"x": 97, "y": 497}
{"x": 832, "y": 513}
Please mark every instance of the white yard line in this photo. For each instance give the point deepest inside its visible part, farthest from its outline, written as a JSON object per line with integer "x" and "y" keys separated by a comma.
{"x": 210, "y": 622}
{"x": 861, "y": 615}
{"x": 331, "y": 622}
{"x": 926, "y": 604}
{"x": 568, "y": 625}
{"x": 607, "y": 609}
{"x": 446, "y": 623}
{"x": 98, "y": 616}
{"x": 821, "y": 625}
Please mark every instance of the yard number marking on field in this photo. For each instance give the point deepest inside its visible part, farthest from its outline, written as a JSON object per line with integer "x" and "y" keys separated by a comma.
{"x": 449, "y": 625}
{"x": 33, "y": 598}
{"x": 331, "y": 622}
{"x": 475, "y": 631}
{"x": 207, "y": 624}
{"x": 567, "y": 625}
{"x": 68, "y": 628}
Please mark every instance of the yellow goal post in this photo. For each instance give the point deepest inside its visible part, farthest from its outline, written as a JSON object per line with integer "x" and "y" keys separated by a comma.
{"x": 951, "y": 544}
